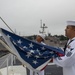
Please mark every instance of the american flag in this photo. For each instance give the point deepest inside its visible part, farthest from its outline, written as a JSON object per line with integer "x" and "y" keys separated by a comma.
{"x": 32, "y": 54}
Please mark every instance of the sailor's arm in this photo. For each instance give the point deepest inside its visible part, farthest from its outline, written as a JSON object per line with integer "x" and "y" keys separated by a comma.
{"x": 67, "y": 60}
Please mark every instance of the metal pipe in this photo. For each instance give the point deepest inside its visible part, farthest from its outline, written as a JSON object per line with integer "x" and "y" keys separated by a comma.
{"x": 7, "y": 25}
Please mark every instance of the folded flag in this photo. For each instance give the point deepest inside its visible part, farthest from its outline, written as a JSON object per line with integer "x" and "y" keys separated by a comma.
{"x": 32, "y": 54}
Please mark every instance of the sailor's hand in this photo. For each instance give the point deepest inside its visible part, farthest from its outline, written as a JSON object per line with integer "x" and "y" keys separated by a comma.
{"x": 59, "y": 54}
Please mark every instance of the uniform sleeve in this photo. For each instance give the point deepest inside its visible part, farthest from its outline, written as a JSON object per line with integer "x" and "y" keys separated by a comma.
{"x": 66, "y": 61}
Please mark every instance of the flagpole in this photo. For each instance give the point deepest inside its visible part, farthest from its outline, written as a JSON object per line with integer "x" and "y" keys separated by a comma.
{"x": 6, "y": 25}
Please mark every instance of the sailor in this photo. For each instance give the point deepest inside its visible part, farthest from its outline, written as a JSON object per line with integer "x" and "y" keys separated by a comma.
{"x": 68, "y": 60}
{"x": 40, "y": 39}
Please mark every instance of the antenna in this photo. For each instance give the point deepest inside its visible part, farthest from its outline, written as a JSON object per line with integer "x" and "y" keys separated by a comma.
{"x": 41, "y": 22}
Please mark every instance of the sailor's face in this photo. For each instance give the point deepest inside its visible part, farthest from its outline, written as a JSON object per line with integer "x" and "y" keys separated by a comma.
{"x": 38, "y": 38}
{"x": 68, "y": 31}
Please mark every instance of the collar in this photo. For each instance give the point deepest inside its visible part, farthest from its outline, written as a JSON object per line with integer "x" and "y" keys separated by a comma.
{"x": 70, "y": 40}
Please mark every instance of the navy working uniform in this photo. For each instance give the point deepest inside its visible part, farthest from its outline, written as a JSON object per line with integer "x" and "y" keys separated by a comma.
{"x": 68, "y": 60}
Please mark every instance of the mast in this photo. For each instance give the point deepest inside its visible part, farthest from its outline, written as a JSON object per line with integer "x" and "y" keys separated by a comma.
{"x": 43, "y": 27}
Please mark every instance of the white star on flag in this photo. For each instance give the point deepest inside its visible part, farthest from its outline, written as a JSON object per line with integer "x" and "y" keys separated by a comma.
{"x": 28, "y": 54}
{"x": 19, "y": 41}
{"x": 8, "y": 36}
{"x": 25, "y": 47}
{"x": 43, "y": 48}
{"x": 31, "y": 45}
{"x": 35, "y": 62}
{"x": 32, "y": 51}
{"x": 36, "y": 56}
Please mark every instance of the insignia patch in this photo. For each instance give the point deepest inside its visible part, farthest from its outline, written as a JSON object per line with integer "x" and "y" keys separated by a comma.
{"x": 69, "y": 54}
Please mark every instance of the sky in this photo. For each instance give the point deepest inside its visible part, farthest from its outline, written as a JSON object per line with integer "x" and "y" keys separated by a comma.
{"x": 23, "y": 16}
